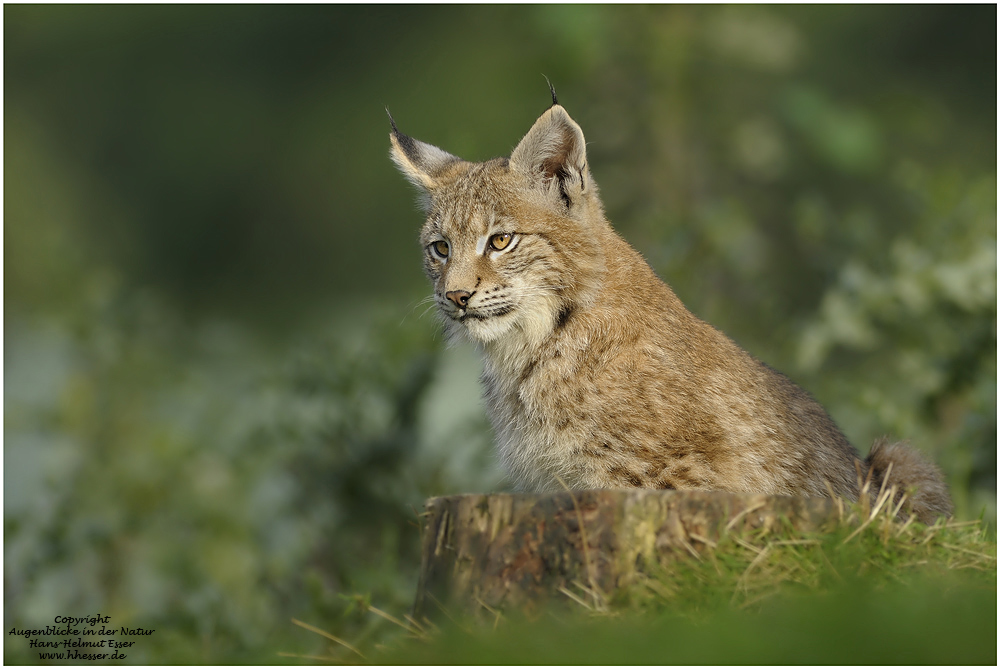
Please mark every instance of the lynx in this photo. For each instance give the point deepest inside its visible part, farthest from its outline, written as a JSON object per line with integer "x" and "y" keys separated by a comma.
{"x": 595, "y": 374}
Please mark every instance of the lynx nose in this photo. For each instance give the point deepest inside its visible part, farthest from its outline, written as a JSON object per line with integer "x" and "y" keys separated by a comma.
{"x": 459, "y": 297}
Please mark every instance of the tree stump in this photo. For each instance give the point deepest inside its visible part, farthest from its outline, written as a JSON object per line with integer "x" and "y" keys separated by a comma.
{"x": 486, "y": 552}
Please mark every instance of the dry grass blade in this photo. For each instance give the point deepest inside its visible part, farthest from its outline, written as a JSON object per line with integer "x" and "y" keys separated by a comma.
{"x": 749, "y": 546}
{"x": 899, "y": 506}
{"x": 979, "y": 567}
{"x": 443, "y": 609}
{"x": 583, "y": 540}
{"x": 742, "y": 581}
{"x": 758, "y": 599}
{"x": 885, "y": 481}
{"x": 991, "y": 558}
{"x": 836, "y": 499}
{"x": 704, "y": 540}
{"x": 410, "y": 619}
{"x": 931, "y": 533}
{"x": 735, "y": 519}
{"x": 598, "y": 597}
{"x": 396, "y": 621}
{"x": 884, "y": 495}
{"x": 858, "y": 531}
{"x": 579, "y": 600}
{"x": 497, "y": 615}
{"x": 915, "y": 563}
{"x": 964, "y": 523}
{"x": 796, "y": 542}
{"x": 329, "y": 636}
{"x": 905, "y": 526}
{"x": 833, "y": 570}
{"x": 430, "y": 626}
{"x": 300, "y": 656}
{"x": 690, "y": 548}
{"x": 863, "y": 484}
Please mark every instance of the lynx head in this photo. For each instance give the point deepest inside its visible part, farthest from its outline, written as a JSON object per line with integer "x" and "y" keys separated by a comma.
{"x": 511, "y": 245}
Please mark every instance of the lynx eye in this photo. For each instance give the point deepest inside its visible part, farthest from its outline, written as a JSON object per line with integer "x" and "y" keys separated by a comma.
{"x": 440, "y": 249}
{"x": 501, "y": 241}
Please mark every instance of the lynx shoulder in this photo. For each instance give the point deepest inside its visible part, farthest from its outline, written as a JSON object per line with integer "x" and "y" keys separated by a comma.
{"x": 595, "y": 374}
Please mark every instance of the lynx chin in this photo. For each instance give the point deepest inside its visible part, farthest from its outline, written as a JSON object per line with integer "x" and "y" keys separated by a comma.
{"x": 596, "y": 376}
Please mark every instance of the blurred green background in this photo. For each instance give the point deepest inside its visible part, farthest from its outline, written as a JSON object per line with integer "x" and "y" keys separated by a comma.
{"x": 223, "y": 401}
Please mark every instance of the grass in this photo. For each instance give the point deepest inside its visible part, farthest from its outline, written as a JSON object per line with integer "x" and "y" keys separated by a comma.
{"x": 874, "y": 590}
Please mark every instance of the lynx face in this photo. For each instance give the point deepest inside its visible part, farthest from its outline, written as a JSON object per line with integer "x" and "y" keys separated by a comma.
{"x": 491, "y": 271}
{"x": 508, "y": 244}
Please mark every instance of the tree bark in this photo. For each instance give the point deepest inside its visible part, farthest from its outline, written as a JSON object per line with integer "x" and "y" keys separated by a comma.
{"x": 488, "y": 552}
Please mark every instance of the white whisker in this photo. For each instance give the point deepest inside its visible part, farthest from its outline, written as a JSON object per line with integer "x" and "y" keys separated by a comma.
{"x": 416, "y": 305}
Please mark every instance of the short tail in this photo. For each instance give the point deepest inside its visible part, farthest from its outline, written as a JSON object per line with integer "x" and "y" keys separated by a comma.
{"x": 921, "y": 480}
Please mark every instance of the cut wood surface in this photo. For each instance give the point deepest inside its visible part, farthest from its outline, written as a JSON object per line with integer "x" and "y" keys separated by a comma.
{"x": 492, "y": 552}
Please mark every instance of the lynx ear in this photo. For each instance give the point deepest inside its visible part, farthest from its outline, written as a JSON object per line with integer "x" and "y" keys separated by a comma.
{"x": 421, "y": 163}
{"x": 554, "y": 155}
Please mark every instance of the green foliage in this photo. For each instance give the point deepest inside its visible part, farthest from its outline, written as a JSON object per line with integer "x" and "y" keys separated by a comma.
{"x": 874, "y": 592}
{"x": 936, "y": 622}
{"x": 197, "y": 483}
{"x": 224, "y": 402}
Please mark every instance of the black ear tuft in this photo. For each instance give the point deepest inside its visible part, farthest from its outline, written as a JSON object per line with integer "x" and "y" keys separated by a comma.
{"x": 395, "y": 130}
{"x": 552, "y": 90}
